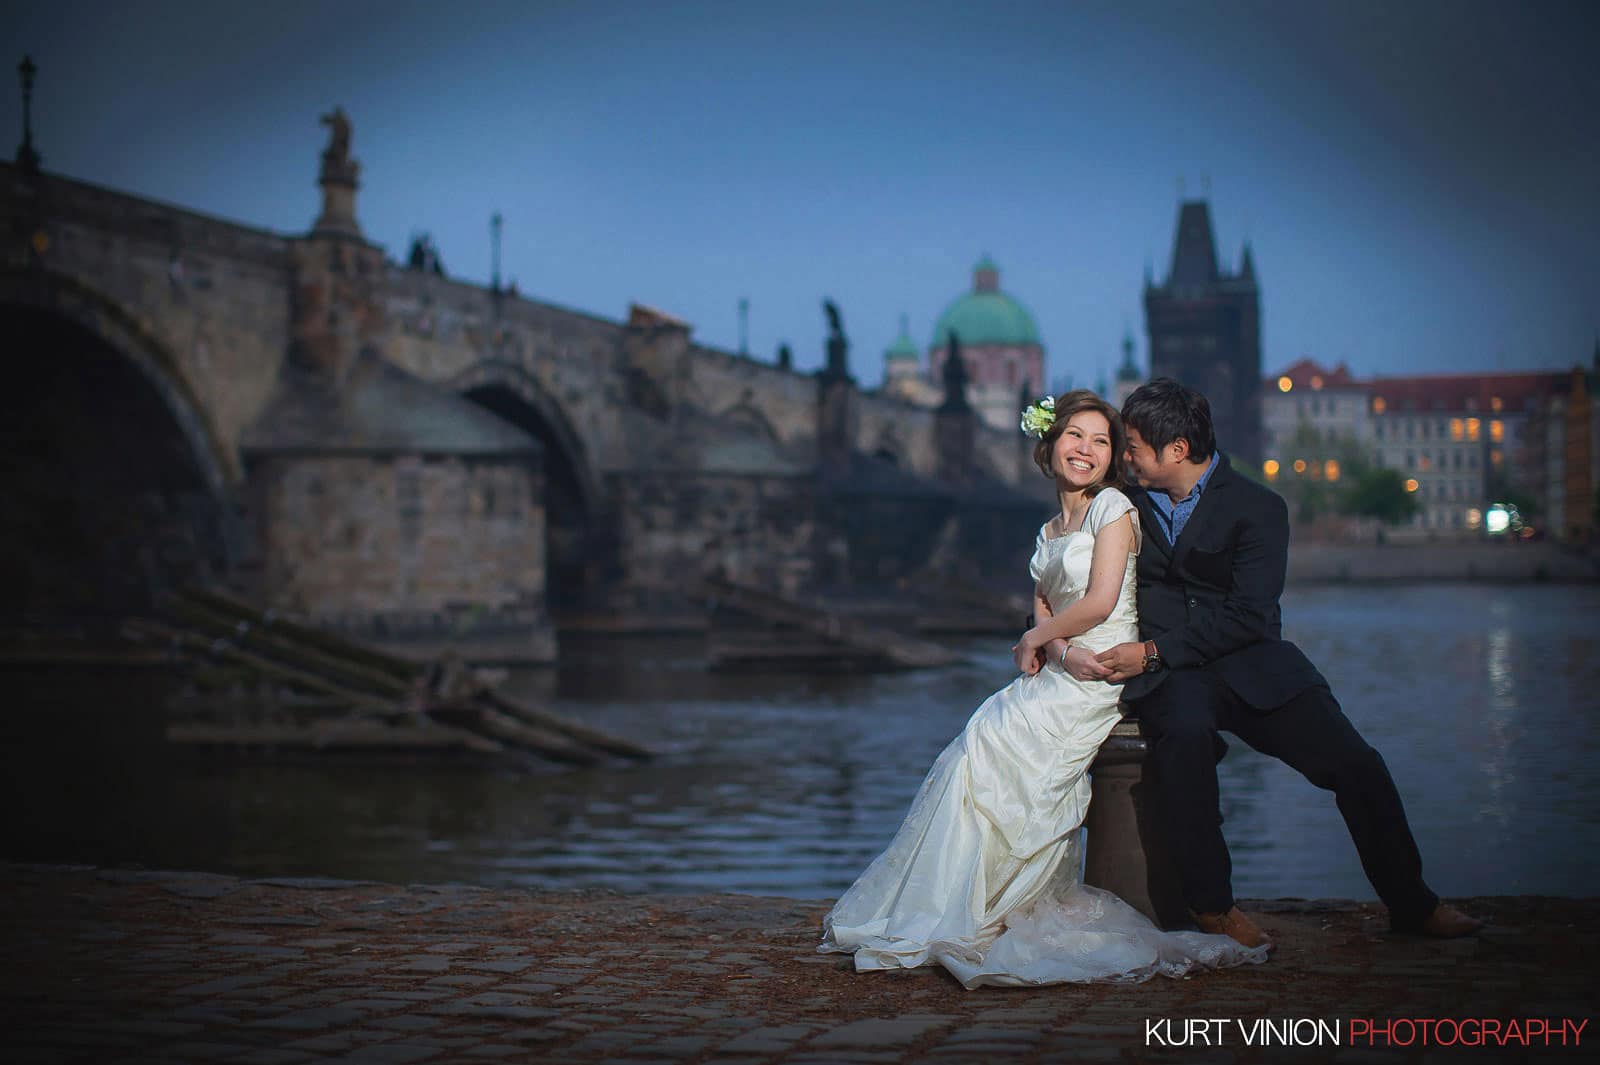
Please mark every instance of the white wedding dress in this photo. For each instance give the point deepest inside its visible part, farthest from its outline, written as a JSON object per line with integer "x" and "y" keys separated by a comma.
{"x": 985, "y": 875}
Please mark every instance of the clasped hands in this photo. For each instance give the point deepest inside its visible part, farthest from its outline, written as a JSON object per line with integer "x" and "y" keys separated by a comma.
{"x": 1032, "y": 652}
{"x": 1113, "y": 665}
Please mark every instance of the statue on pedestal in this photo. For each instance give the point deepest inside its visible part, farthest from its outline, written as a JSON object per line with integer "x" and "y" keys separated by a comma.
{"x": 955, "y": 376}
{"x": 838, "y": 346}
{"x": 338, "y": 178}
{"x": 336, "y": 162}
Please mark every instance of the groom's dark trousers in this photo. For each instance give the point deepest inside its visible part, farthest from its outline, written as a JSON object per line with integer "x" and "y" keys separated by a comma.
{"x": 1210, "y": 603}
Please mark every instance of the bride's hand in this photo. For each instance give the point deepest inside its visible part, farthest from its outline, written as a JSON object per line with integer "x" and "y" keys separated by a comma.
{"x": 1082, "y": 664}
{"x": 1025, "y": 653}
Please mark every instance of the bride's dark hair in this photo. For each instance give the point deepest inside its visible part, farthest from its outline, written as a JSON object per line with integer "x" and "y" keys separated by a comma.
{"x": 1076, "y": 402}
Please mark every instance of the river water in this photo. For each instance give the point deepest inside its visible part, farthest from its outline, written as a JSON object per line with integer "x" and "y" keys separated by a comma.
{"x": 1482, "y": 698}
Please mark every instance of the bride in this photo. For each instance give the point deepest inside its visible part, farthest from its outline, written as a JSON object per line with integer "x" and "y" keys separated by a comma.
{"x": 985, "y": 875}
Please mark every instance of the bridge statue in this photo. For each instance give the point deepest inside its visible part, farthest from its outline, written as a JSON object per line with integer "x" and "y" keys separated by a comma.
{"x": 338, "y": 178}
{"x": 955, "y": 376}
{"x": 838, "y": 345}
{"x": 336, "y": 162}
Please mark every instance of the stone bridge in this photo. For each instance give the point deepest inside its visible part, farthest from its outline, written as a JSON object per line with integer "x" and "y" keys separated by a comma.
{"x": 421, "y": 460}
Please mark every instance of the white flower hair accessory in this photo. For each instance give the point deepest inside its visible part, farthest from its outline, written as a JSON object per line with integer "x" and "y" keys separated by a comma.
{"x": 1037, "y": 418}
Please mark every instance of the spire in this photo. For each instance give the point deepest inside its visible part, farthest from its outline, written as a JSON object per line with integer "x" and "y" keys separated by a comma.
{"x": 1194, "y": 251}
{"x": 1247, "y": 264}
{"x": 1129, "y": 370}
{"x": 986, "y": 276}
{"x": 904, "y": 348}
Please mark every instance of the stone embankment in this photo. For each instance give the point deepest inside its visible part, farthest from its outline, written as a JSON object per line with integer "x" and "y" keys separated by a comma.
{"x": 119, "y": 965}
{"x": 1311, "y": 562}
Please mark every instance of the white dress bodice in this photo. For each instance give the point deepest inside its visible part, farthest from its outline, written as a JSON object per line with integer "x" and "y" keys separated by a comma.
{"x": 1060, "y": 565}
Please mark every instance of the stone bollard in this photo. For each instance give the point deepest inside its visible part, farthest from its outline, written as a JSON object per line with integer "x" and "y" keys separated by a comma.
{"x": 1125, "y": 852}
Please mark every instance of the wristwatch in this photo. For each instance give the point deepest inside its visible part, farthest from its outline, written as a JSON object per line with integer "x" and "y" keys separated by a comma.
{"x": 1152, "y": 657}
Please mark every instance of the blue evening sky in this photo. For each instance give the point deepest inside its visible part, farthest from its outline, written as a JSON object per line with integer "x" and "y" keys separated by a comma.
{"x": 1418, "y": 180}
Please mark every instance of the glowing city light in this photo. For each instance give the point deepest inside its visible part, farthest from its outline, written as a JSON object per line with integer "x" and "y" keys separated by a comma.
{"x": 1284, "y": 384}
{"x": 1379, "y": 404}
{"x": 1299, "y": 465}
{"x": 1270, "y": 468}
{"x": 1411, "y": 484}
{"x": 1330, "y": 469}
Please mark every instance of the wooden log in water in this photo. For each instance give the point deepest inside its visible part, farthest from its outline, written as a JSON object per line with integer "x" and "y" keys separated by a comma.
{"x": 482, "y": 720}
{"x": 287, "y": 647}
{"x": 321, "y": 639}
{"x": 855, "y": 637}
{"x": 244, "y": 647}
{"x": 148, "y": 629}
{"x": 583, "y": 734}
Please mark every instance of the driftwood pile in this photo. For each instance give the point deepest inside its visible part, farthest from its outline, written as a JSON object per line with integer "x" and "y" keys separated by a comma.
{"x": 257, "y": 679}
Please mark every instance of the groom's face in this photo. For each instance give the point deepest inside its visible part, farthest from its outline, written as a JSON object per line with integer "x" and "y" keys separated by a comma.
{"x": 1149, "y": 467}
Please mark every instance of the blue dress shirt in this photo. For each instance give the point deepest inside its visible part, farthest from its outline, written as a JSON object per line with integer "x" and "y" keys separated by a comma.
{"x": 1174, "y": 516}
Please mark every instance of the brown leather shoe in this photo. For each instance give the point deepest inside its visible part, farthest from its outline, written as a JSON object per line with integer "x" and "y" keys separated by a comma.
{"x": 1235, "y": 925}
{"x": 1447, "y": 922}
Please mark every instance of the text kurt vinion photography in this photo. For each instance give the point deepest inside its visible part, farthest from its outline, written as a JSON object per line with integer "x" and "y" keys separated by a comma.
{"x": 1366, "y": 1031}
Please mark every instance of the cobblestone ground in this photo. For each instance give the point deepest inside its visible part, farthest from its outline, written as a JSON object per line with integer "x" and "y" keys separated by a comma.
{"x": 117, "y": 965}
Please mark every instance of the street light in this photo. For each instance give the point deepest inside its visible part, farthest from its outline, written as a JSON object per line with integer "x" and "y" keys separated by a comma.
{"x": 27, "y": 156}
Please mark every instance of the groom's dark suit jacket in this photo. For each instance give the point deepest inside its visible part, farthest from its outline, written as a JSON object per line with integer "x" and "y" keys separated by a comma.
{"x": 1211, "y": 600}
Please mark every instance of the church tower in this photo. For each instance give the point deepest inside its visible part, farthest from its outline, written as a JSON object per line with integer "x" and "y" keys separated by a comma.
{"x": 1205, "y": 330}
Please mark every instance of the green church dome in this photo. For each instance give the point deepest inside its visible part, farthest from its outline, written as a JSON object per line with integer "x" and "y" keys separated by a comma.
{"x": 903, "y": 347}
{"x": 986, "y": 315}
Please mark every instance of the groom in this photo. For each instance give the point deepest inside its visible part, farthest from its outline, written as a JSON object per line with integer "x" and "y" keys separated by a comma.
{"x": 1209, "y": 575}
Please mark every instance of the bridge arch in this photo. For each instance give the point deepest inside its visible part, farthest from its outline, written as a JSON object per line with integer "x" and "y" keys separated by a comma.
{"x": 116, "y": 481}
{"x": 752, "y": 419}
{"x": 579, "y": 551}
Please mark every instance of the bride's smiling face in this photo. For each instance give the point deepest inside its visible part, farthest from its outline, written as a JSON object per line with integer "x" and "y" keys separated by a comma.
{"x": 1082, "y": 453}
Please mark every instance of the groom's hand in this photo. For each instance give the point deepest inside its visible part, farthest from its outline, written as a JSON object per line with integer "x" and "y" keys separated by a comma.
{"x": 1124, "y": 661}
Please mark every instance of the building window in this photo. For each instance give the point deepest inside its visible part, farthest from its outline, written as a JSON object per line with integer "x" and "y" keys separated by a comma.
{"x": 1497, "y": 431}
{"x": 1473, "y": 425}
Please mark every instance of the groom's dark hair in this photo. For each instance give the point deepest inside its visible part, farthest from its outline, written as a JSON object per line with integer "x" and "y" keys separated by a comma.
{"x": 1164, "y": 410}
